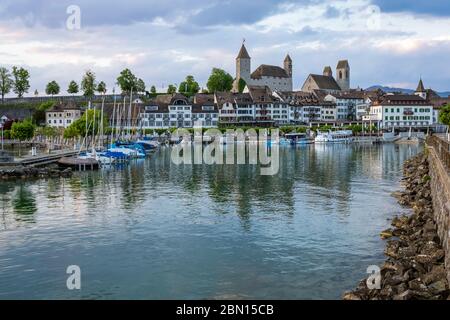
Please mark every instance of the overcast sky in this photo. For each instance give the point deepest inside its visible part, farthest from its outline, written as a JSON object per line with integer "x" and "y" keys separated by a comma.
{"x": 386, "y": 42}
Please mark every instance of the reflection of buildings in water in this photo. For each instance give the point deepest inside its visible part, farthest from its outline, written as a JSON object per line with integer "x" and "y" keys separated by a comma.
{"x": 328, "y": 174}
{"x": 393, "y": 156}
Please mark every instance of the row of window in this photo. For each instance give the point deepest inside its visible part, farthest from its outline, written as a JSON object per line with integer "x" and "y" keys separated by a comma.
{"x": 68, "y": 121}
{"x": 175, "y": 123}
{"x": 386, "y": 110}
{"x": 56, "y": 115}
{"x": 175, "y": 116}
{"x": 406, "y": 118}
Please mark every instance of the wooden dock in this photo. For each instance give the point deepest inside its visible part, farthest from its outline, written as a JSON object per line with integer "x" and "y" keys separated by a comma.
{"x": 40, "y": 160}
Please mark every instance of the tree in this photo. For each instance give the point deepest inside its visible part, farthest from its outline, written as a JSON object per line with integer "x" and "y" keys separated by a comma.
{"x": 219, "y": 80}
{"x": 73, "y": 88}
{"x": 101, "y": 88}
{"x": 36, "y": 93}
{"x": 6, "y": 82}
{"x": 189, "y": 86}
{"x": 153, "y": 90}
{"x": 127, "y": 81}
{"x": 52, "y": 88}
{"x": 171, "y": 89}
{"x": 241, "y": 85}
{"x": 88, "y": 84}
{"x": 21, "y": 81}
{"x": 71, "y": 132}
{"x": 444, "y": 115}
{"x": 140, "y": 86}
{"x": 39, "y": 113}
{"x": 22, "y": 131}
{"x": 79, "y": 126}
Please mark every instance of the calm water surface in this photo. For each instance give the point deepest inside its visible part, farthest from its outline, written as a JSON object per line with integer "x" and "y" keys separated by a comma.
{"x": 154, "y": 230}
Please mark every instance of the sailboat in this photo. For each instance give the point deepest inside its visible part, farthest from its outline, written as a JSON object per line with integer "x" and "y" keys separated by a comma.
{"x": 82, "y": 161}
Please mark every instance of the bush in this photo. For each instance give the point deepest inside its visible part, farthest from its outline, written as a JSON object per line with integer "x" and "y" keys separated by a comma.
{"x": 22, "y": 130}
{"x": 6, "y": 134}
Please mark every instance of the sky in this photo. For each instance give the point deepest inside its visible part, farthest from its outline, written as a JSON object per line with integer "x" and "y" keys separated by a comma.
{"x": 387, "y": 42}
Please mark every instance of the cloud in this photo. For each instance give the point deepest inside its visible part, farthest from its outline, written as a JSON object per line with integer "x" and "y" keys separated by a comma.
{"x": 163, "y": 42}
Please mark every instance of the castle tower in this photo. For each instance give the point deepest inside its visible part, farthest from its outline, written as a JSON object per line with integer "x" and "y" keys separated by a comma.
{"x": 243, "y": 65}
{"x": 327, "y": 72}
{"x": 288, "y": 65}
{"x": 420, "y": 91}
{"x": 343, "y": 75}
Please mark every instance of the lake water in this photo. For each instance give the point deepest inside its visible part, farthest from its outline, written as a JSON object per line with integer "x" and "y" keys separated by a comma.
{"x": 154, "y": 230}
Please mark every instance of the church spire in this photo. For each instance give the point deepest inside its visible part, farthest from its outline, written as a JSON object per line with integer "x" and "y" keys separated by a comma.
{"x": 420, "y": 87}
{"x": 243, "y": 54}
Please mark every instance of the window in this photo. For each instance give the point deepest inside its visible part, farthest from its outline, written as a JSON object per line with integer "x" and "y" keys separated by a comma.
{"x": 151, "y": 108}
{"x": 69, "y": 121}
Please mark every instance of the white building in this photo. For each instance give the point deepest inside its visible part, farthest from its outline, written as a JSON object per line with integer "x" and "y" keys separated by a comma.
{"x": 176, "y": 111}
{"x": 62, "y": 116}
{"x": 346, "y": 103}
{"x": 404, "y": 111}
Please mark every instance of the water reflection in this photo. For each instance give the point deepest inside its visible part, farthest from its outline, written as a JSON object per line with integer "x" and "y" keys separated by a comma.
{"x": 157, "y": 230}
{"x": 24, "y": 204}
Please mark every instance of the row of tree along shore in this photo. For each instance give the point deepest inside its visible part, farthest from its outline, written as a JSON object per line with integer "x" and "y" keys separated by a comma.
{"x": 18, "y": 81}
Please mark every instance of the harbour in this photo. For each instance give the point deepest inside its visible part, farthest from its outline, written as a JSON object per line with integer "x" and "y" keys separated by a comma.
{"x": 201, "y": 231}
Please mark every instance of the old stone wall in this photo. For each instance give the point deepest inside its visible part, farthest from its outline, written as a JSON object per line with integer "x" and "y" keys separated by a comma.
{"x": 440, "y": 191}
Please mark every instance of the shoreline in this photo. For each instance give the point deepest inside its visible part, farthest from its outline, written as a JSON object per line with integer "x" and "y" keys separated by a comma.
{"x": 20, "y": 172}
{"x": 414, "y": 265}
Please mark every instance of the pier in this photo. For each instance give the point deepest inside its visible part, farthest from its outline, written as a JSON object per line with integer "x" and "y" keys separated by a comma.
{"x": 40, "y": 160}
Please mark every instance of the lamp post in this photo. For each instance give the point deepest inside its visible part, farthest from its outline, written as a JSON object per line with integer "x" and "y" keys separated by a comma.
{"x": 1, "y": 124}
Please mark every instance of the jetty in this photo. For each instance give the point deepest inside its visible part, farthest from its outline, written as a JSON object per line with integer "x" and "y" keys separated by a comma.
{"x": 40, "y": 160}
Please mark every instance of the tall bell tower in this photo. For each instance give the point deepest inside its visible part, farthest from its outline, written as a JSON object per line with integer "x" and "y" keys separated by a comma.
{"x": 343, "y": 75}
{"x": 243, "y": 65}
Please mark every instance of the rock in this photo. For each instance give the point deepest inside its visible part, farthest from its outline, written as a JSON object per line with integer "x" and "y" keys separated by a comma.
{"x": 404, "y": 295}
{"x": 349, "y": 296}
{"x": 437, "y": 273}
{"x": 417, "y": 285}
{"x": 423, "y": 259}
{"x": 386, "y": 234}
{"x": 438, "y": 255}
{"x": 406, "y": 252}
{"x": 438, "y": 287}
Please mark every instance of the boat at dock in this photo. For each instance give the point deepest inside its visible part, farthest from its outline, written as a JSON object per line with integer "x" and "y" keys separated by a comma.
{"x": 340, "y": 136}
{"x": 296, "y": 139}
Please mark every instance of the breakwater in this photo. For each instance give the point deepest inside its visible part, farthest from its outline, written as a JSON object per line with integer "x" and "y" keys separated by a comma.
{"x": 415, "y": 247}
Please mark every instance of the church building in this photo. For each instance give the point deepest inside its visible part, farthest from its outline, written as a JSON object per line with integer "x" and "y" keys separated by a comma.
{"x": 326, "y": 82}
{"x": 275, "y": 77}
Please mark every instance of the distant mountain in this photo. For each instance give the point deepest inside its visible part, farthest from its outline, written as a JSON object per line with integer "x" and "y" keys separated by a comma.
{"x": 402, "y": 90}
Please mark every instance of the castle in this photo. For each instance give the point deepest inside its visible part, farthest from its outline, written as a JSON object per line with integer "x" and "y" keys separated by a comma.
{"x": 274, "y": 77}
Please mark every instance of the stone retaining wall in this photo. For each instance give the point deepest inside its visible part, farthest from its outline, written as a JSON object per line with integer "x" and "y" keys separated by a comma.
{"x": 440, "y": 191}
